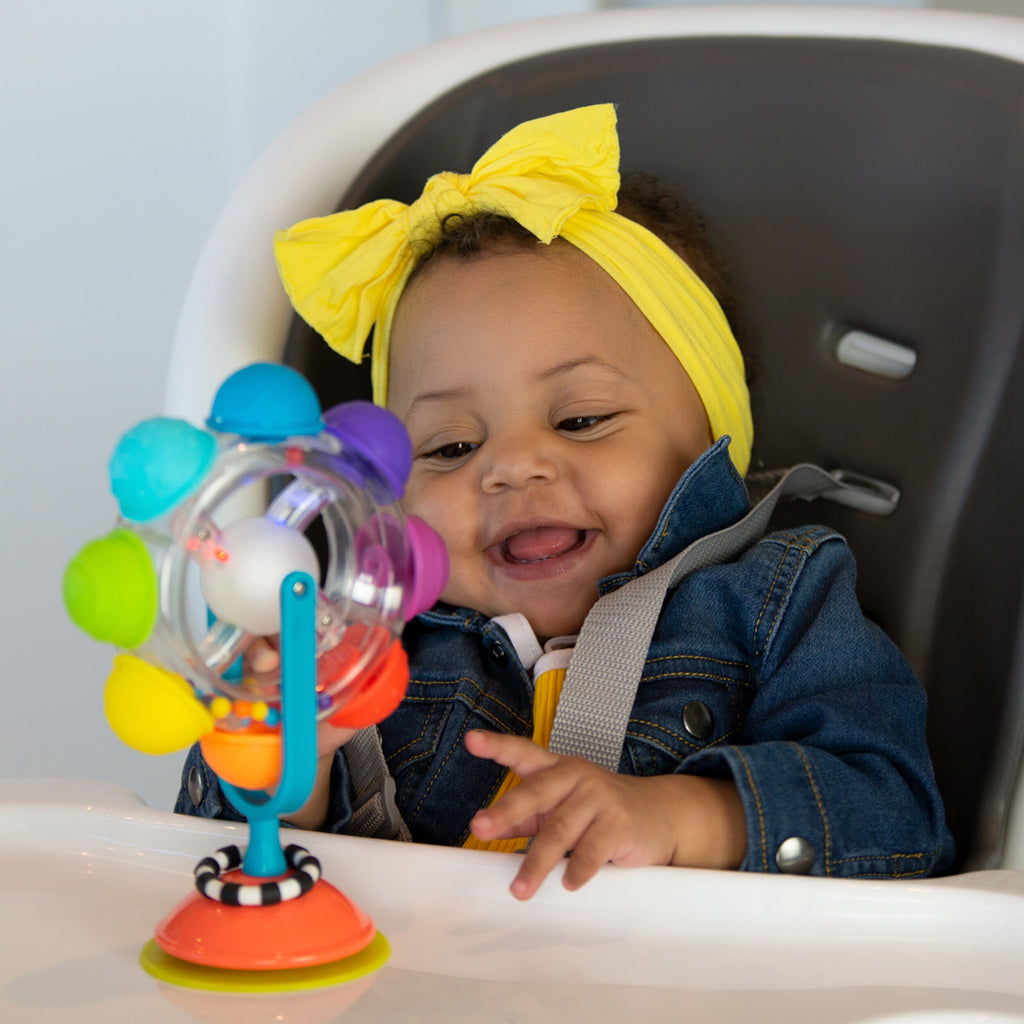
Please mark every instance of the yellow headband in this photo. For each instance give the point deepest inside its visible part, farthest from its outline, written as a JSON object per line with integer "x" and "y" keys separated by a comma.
{"x": 557, "y": 176}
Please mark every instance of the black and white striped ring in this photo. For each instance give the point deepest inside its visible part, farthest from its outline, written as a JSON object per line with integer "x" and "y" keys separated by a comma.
{"x": 305, "y": 874}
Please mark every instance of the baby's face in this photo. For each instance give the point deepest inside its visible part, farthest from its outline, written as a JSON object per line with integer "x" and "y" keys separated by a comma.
{"x": 549, "y": 424}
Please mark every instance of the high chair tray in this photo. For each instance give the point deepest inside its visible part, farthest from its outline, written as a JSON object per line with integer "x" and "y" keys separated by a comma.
{"x": 88, "y": 870}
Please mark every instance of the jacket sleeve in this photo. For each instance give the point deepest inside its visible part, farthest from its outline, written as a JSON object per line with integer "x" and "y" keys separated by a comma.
{"x": 832, "y": 765}
{"x": 202, "y": 795}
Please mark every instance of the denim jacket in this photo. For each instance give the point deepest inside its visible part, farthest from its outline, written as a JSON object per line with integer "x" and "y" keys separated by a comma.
{"x": 763, "y": 670}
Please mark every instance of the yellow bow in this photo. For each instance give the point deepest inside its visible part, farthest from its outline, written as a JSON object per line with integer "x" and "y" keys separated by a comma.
{"x": 556, "y": 176}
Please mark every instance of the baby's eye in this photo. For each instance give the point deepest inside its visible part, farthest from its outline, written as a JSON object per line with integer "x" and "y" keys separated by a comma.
{"x": 574, "y": 424}
{"x": 451, "y": 452}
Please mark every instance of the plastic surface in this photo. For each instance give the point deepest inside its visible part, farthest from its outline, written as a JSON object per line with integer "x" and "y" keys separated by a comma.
{"x": 264, "y": 856}
{"x": 346, "y": 971}
{"x": 249, "y": 760}
{"x": 429, "y": 558}
{"x": 872, "y": 354}
{"x": 266, "y": 402}
{"x": 865, "y": 494}
{"x": 151, "y": 709}
{"x": 157, "y": 464}
{"x": 377, "y": 435}
{"x": 380, "y": 693}
{"x": 318, "y": 928}
{"x": 244, "y": 589}
{"x": 336, "y": 629}
{"x": 181, "y": 531}
{"x": 110, "y": 589}
{"x": 88, "y": 871}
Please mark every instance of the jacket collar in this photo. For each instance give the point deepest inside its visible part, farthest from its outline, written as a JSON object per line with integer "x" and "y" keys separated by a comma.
{"x": 710, "y": 496}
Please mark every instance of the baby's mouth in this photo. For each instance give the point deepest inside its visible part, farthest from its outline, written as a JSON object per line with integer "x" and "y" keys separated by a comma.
{"x": 541, "y": 543}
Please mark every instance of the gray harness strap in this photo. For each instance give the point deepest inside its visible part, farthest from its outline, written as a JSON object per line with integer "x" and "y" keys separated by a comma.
{"x": 375, "y": 813}
{"x": 604, "y": 673}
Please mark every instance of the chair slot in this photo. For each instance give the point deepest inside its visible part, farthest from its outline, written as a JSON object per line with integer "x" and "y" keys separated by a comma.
{"x": 875, "y": 355}
{"x": 864, "y": 493}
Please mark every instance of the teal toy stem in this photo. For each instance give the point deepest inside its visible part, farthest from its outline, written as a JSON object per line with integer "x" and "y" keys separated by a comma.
{"x": 264, "y": 857}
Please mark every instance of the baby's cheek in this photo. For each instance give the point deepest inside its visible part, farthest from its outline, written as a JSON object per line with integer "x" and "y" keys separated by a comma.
{"x": 455, "y": 544}
{"x": 459, "y": 589}
{"x": 416, "y": 502}
{"x": 442, "y": 510}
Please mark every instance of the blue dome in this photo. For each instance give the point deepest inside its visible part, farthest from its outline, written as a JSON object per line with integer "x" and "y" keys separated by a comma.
{"x": 158, "y": 464}
{"x": 266, "y": 402}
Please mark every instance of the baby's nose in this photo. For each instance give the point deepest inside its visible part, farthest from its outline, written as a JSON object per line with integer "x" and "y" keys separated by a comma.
{"x": 517, "y": 462}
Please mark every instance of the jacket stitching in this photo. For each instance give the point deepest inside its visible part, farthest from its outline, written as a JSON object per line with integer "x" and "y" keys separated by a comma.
{"x": 483, "y": 693}
{"x": 767, "y": 600}
{"x": 915, "y": 873}
{"x": 395, "y": 754}
{"x": 728, "y": 680}
{"x": 678, "y": 735}
{"x": 790, "y": 584}
{"x": 803, "y": 546}
{"x": 698, "y": 657}
{"x": 897, "y": 857}
{"x": 821, "y": 808}
{"x": 440, "y": 768}
{"x": 757, "y": 803}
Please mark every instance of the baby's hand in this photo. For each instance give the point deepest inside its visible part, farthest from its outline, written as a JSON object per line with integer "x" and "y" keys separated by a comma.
{"x": 570, "y": 806}
{"x": 261, "y": 659}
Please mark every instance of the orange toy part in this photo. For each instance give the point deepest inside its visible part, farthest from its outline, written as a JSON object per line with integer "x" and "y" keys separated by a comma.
{"x": 380, "y": 694}
{"x": 335, "y": 667}
{"x": 337, "y": 663}
{"x": 317, "y": 928}
{"x": 248, "y": 758}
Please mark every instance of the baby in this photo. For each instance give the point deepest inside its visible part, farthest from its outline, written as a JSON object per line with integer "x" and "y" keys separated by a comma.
{"x": 579, "y": 415}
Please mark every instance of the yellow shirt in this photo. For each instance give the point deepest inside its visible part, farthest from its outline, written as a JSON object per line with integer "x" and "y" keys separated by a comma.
{"x": 549, "y": 669}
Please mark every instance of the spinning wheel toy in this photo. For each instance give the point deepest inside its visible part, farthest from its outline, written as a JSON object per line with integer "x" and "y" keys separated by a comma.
{"x": 210, "y": 551}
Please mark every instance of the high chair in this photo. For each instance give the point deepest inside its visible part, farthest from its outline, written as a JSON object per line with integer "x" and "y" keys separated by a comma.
{"x": 863, "y": 173}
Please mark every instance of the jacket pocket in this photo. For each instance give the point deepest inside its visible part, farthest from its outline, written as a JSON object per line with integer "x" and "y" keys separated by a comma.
{"x": 685, "y": 704}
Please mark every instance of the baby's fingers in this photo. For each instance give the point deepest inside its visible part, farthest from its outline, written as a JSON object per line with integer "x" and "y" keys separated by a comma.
{"x": 548, "y": 780}
{"x": 262, "y": 657}
{"x": 523, "y": 756}
{"x": 523, "y": 809}
{"x": 598, "y": 845}
{"x": 560, "y": 834}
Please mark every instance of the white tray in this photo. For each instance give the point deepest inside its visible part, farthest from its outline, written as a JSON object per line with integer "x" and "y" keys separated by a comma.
{"x": 88, "y": 870}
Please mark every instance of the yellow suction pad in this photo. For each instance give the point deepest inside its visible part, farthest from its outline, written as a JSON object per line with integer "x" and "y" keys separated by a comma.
{"x": 153, "y": 710}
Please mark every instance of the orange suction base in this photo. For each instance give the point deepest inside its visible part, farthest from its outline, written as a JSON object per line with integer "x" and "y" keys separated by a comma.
{"x": 319, "y": 938}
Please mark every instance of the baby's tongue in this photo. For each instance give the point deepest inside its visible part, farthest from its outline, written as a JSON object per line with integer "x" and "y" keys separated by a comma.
{"x": 542, "y": 542}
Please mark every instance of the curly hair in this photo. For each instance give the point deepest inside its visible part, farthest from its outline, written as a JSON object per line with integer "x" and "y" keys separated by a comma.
{"x": 643, "y": 198}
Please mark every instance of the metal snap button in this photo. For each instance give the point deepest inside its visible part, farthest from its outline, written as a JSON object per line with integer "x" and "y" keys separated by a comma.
{"x": 497, "y": 653}
{"x": 795, "y": 856}
{"x": 698, "y": 720}
{"x": 195, "y": 786}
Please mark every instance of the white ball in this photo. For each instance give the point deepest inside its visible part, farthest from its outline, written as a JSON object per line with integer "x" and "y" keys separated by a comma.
{"x": 243, "y": 587}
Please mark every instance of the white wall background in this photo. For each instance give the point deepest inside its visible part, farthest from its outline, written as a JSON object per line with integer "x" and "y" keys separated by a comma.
{"x": 124, "y": 126}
